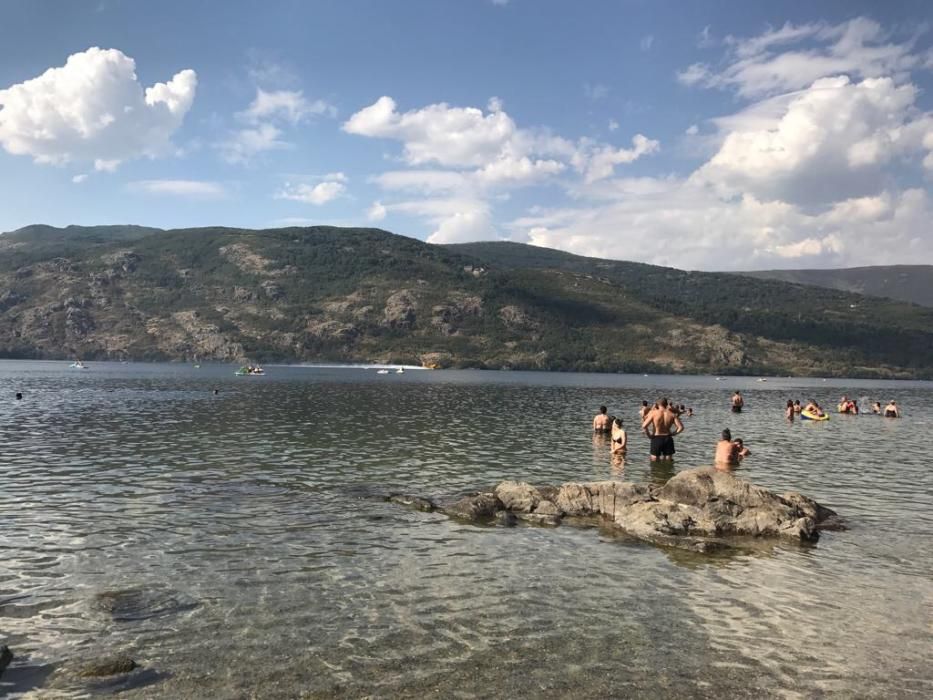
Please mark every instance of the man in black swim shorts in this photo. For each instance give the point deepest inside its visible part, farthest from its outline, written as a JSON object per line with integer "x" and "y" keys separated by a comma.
{"x": 662, "y": 419}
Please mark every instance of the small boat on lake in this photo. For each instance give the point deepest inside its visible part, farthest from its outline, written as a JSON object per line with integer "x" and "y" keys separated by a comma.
{"x": 382, "y": 371}
{"x": 77, "y": 364}
{"x": 250, "y": 371}
{"x": 400, "y": 370}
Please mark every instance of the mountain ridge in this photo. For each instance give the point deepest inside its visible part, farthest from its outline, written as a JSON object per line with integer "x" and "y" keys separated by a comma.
{"x": 368, "y": 295}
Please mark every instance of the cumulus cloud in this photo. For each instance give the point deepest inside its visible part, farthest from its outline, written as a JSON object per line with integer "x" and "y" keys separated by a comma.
{"x": 190, "y": 189}
{"x": 323, "y": 192}
{"x": 243, "y": 145}
{"x": 93, "y": 109}
{"x": 685, "y": 224}
{"x": 833, "y": 140}
{"x": 477, "y": 157}
{"x": 78, "y": 179}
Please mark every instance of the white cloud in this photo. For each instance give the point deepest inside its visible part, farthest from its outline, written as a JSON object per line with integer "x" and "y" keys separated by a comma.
{"x": 377, "y": 212}
{"x": 191, "y": 189}
{"x": 832, "y": 140}
{"x": 243, "y": 145}
{"x": 646, "y": 42}
{"x": 450, "y": 136}
{"x": 288, "y": 105}
{"x": 685, "y": 224}
{"x": 481, "y": 155}
{"x": 613, "y": 125}
{"x": 78, "y": 179}
{"x": 859, "y": 48}
{"x": 93, "y": 109}
{"x": 705, "y": 38}
{"x": 598, "y": 162}
{"x": 692, "y": 130}
{"x": 318, "y": 194}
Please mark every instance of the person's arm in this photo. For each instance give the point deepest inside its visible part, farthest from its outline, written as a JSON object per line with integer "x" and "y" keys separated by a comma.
{"x": 646, "y": 421}
{"x": 679, "y": 425}
{"x": 594, "y": 422}
{"x": 624, "y": 441}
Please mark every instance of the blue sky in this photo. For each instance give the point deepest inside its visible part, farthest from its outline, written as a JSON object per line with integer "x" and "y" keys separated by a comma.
{"x": 703, "y": 135}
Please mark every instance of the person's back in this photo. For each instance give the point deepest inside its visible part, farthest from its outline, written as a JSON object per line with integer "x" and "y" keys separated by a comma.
{"x": 891, "y": 410}
{"x": 662, "y": 439}
{"x": 601, "y": 422}
{"x": 725, "y": 450}
{"x": 643, "y": 411}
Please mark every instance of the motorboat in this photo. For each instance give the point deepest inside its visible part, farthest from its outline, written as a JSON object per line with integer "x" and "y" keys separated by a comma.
{"x": 77, "y": 364}
{"x": 382, "y": 371}
{"x": 250, "y": 371}
{"x": 400, "y": 370}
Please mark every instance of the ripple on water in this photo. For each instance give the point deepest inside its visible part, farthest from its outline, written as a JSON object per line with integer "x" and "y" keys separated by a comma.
{"x": 239, "y": 542}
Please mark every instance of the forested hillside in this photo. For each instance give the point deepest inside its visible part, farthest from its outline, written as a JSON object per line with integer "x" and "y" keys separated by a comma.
{"x": 366, "y": 295}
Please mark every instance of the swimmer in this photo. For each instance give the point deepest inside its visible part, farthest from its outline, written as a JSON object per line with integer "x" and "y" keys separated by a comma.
{"x": 619, "y": 438}
{"x": 876, "y": 407}
{"x": 891, "y": 410}
{"x": 19, "y": 396}
{"x": 690, "y": 412}
{"x": 725, "y": 450}
{"x": 741, "y": 451}
{"x": 797, "y": 407}
{"x": 662, "y": 438}
{"x": 601, "y": 423}
{"x": 789, "y": 410}
{"x": 643, "y": 411}
{"x": 737, "y": 402}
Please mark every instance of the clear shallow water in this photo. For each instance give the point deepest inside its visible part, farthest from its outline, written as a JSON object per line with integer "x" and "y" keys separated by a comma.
{"x": 260, "y": 562}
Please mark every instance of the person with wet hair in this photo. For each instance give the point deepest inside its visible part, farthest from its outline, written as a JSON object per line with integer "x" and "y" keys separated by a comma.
{"x": 619, "y": 438}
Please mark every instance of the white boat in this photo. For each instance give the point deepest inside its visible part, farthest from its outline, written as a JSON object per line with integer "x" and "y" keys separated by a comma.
{"x": 382, "y": 371}
{"x": 400, "y": 370}
{"x": 77, "y": 364}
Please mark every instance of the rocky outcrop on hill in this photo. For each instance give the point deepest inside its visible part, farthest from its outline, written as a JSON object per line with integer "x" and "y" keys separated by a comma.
{"x": 696, "y": 509}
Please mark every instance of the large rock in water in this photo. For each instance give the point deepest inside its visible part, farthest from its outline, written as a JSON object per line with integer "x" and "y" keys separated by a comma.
{"x": 691, "y": 508}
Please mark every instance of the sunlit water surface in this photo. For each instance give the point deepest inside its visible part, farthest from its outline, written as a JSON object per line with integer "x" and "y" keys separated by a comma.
{"x": 261, "y": 562}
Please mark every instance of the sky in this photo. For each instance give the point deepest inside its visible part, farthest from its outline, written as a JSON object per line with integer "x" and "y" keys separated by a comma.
{"x": 719, "y": 135}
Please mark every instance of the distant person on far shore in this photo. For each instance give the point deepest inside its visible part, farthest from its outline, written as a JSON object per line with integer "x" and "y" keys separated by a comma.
{"x": 619, "y": 438}
{"x": 602, "y": 423}
{"x": 737, "y": 402}
{"x": 662, "y": 419}
{"x": 790, "y": 411}
{"x": 891, "y": 410}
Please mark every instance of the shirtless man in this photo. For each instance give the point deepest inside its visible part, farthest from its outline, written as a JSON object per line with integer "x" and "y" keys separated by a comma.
{"x": 737, "y": 402}
{"x": 891, "y": 410}
{"x": 643, "y": 411}
{"x": 601, "y": 423}
{"x": 662, "y": 439}
{"x": 725, "y": 451}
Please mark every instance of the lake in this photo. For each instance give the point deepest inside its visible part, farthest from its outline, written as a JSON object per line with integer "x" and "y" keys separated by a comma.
{"x": 236, "y": 544}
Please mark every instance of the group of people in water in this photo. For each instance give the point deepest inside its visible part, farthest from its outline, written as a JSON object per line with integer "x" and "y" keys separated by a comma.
{"x": 661, "y": 422}
{"x": 846, "y": 405}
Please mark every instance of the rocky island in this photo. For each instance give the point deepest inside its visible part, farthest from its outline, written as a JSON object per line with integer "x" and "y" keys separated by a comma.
{"x": 698, "y": 509}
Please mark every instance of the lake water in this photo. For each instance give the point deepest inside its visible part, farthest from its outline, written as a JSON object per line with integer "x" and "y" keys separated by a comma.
{"x": 257, "y": 560}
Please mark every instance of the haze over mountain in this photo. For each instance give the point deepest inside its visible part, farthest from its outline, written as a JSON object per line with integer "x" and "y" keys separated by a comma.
{"x": 366, "y": 295}
{"x": 913, "y": 283}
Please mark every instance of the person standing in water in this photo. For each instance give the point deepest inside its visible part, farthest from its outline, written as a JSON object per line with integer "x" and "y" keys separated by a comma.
{"x": 725, "y": 451}
{"x": 790, "y": 411}
{"x": 797, "y": 407}
{"x": 891, "y": 410}
{"x": 601, "y": 423}
{"x": 662, "y": 419}
{"x": 619, "y": 438}
{"x": 643, "y": 411}
{"x": 737, "y": 402}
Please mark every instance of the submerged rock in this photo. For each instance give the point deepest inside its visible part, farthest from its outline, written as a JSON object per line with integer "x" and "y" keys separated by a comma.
{"x": 694, "y": 510}
{"x": 6, "y": 656}
{"x": 414, "y": 502}
{"x": 108, "y": 666}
